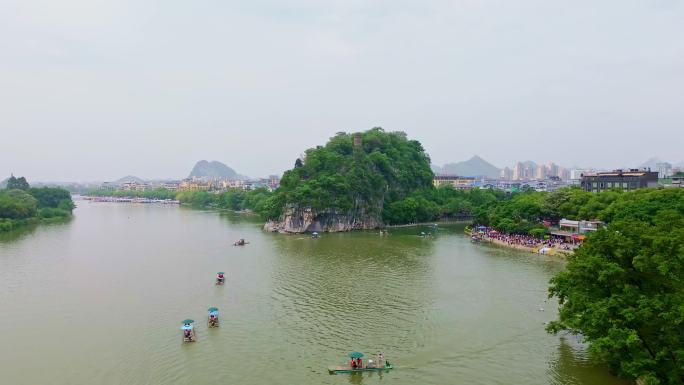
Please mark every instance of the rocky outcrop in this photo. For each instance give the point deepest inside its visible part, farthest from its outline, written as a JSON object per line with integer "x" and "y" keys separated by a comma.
{"x": 300, "y": 220}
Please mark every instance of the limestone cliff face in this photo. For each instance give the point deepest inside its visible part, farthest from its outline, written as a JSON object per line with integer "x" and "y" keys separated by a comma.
{"x": 299, "y": 220}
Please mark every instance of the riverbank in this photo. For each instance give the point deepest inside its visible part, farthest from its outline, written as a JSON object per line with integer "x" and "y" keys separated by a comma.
{"x": 537, "y": 249}
{"x": 449, "y": 222}
{"x": 129, "y": 199}
{"x": 522, "y": 242}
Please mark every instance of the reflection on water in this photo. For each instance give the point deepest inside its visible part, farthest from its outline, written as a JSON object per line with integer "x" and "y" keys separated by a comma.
{"x": 112, "y": 286}
{"x": 571, "y": 356}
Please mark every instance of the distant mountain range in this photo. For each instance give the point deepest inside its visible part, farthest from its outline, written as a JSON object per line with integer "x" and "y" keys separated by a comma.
{"x": 474, "y": 166}
{"x": 651, "y": 163}
{"x": 213, "y": 169}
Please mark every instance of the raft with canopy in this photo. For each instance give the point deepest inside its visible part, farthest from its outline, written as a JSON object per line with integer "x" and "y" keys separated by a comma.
{"x": 213, "y": 317}
{"x": 375, "y": 367}
{"x": 188, "y": 331}
{"x": 220, "y": 281}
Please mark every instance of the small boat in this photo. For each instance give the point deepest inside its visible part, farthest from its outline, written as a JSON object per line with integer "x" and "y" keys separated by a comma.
{"x": 188, "y": 331}
{"x": 240, "y": 242}
{"x": 377, "y": 365}
{"x": 220, "y": 278}
{"x": 213, "y": 317}
{"x": 314, "y": 235}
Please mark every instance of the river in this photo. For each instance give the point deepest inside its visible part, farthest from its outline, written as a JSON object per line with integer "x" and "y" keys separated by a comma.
{"x": 99, "y": 300}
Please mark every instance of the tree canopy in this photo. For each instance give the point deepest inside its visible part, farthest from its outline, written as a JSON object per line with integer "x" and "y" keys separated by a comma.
{"x": 382, "y": 168}
{"x": 623, "y": 290}
{"x": 21, "y": 205}
{"x": 17, "y": 183}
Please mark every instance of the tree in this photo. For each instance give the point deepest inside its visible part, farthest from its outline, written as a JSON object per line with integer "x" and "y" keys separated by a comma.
{"x": 623, "y": 290}
{"x": 17, "y": 204}
{"x": 17, "y": 183}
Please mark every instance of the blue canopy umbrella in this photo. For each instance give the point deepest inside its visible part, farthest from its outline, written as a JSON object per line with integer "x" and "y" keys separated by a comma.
{"x": 187, "y": 322}
{"x": 481, "y": 227}
{"x": 355, "y": 355}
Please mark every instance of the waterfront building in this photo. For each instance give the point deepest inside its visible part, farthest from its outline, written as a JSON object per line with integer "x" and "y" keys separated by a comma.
{"x": 455, "y": 181}
{"x": 173, "y": 186}
{"x": 623, "y": 179}
{"x": 135, "y": 186}
{"x": 195, "y": 184}
{"x": 108, "y": 186}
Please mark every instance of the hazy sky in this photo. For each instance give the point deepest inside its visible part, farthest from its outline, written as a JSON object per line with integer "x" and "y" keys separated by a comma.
{"x": 94, "y": 90}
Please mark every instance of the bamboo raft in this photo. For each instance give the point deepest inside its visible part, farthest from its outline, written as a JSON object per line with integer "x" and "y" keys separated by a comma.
{"x": 342, "y": 369}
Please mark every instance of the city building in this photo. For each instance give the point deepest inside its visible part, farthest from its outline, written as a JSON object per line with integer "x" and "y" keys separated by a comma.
{"x": 455, "y": 181}
{"x": 173, "y": 186}
{"x": 273, "y": 182}
{"x": 506, "y": 173}
{"x": 664, "y": 169}
{"x": 195, "y": 184}
{"x": 563, "y": 173}
{"x": 541, "y": 172}
{"x": 552, "y": 169}
{"x": 623, "y": 179}
{"x": 135, "y": 186}
{"x": 678, "y": 179}
{"x": 518, "y": 171}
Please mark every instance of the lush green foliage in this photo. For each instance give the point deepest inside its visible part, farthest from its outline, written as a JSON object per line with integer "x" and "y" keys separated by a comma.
{"x": 385, "y": 169}
{"x": 623, "y": 290}
{"x": 20, "y": 206}
{"x": 257, "y": 200}
{"x": 14, "y": 183}
{"x": 17, "y": 204}
{"x": 51, "y": 197}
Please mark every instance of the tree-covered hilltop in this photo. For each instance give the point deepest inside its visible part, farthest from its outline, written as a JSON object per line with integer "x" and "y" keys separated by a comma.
{"x": 20, "y": 204}
{"x": 349, "y": 182}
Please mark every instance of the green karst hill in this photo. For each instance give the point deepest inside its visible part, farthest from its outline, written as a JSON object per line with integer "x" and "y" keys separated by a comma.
{"x": 350, "y": 182}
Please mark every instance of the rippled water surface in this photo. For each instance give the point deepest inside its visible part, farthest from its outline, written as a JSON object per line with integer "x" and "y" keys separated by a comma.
{"x": 98, "y": 300}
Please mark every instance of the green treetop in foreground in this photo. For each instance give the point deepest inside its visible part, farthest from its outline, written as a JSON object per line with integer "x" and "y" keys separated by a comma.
{"x": 623, "y": 290}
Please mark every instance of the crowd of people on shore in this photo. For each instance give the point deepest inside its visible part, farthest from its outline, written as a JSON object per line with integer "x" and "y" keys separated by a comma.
{"x": 524, "y": 240}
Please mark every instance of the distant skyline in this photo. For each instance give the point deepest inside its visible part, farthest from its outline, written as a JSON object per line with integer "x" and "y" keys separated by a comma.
{"x": 96, "y": 90}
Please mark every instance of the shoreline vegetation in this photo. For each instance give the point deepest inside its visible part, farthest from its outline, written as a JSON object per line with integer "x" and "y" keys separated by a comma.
{"x": 22, "y": 205}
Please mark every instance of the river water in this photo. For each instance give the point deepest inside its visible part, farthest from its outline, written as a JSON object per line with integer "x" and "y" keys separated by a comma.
{"x": 99, "y": 300}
